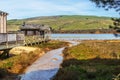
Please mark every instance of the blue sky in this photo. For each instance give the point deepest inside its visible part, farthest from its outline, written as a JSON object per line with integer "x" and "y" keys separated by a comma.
{"x": 19, "y": 9}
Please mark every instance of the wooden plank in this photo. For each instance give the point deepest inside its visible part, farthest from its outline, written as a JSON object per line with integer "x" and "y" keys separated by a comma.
{"x": 20, "y": 37}
{"x": 3, "y": 38}
{"x": 12, "y": 37}
{"x": 13, "y": 40}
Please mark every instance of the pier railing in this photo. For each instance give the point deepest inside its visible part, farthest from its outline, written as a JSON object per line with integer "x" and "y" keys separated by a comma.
{"x": 36, "y": 39}
{"x": 9, "y": 40}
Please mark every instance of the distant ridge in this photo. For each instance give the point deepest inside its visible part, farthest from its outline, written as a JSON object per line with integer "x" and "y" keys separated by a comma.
{"x": 57, "y": 16}
{"x": 65, "y": 22}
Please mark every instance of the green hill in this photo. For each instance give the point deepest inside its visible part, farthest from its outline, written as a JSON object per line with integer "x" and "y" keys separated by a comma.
{"x": 64, "y": 22}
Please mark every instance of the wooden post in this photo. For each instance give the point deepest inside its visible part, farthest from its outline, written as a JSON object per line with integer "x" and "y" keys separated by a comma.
{"x": 7, "y": 53}
{"x": 4, "y": 23}
{"x": 3, "y": 19}
{"x": 1, "y": 23}
{"x": 16, "y": 39}
{"x": 7, "y": 45}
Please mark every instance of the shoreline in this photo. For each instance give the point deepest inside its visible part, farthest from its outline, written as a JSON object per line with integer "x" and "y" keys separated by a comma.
{"x": 88, "y": 31}
{"x": 93, "y": 41}
{"x": 49, "y": 64}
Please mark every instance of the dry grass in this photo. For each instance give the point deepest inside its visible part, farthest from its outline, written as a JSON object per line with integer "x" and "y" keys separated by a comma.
{"x": 91, "y": 60}
{"x": 54, "y": 44}
{"x": 17, "y": 64}
{"x": 25, "y": 49}
{"x": 10, "y": 68}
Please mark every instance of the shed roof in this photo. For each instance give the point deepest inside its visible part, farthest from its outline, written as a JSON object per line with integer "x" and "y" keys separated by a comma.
{"x": 35, "y": 26}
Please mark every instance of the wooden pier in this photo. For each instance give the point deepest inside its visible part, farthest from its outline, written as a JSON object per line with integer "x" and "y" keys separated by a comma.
{"x": 10, "y": 40}
{"x": 29, "y": 34}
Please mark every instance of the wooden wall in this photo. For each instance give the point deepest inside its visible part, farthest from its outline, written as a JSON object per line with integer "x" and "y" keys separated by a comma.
{"x": 11, "y": 37}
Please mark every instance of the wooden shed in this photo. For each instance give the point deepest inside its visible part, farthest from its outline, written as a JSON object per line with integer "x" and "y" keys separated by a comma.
{"x": 34, "y": 29}
{"x": 35, "y": 32}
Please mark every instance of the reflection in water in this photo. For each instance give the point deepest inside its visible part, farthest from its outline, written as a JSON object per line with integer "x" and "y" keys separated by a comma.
{"x": 117, "y": 35}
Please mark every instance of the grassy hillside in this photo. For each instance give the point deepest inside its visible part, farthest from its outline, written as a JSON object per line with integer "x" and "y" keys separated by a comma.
{"x": 75, "y": 22}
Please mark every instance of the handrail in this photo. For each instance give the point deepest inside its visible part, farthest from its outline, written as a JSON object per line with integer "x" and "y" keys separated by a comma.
{"x": 8, "y": 40}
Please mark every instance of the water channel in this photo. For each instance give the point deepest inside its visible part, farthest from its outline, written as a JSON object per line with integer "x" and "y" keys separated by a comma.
{"x": 85, "y": 36}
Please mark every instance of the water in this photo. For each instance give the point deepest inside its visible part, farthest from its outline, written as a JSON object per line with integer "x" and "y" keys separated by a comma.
{"x": 85, "y": 36}
{"x": 46, "y": 67}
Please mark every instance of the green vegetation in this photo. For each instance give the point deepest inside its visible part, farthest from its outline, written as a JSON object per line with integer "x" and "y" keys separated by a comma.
{"x": 91, "y": 60}
{"x": 10, "y": 68}
{"x": 74, "y": 22}
{"x": 13, "y": 25}
{"x": 52, "y": 45}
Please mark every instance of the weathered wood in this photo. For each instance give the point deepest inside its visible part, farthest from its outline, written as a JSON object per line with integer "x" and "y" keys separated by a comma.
{"x": 3, "y": 19}
{"x": 11, "y": 37}
{"x": 34, "y": 33}
{"x": 10, "y": 40}
{"x": 5, "y": 54}
{"x": 3, "y": 38}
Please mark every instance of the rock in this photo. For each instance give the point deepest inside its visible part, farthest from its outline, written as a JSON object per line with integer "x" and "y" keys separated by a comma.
{"x": 23, "y": 49}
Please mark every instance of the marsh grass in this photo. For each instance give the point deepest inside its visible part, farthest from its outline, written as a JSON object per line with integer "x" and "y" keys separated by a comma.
{"x": 54, "y": 44}
{"x": 91, "y": 60}
{"x": 11, "y": 67}
{"x": 16, "y": 65}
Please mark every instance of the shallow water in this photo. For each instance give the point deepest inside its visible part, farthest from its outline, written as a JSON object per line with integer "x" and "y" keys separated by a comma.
{"x": 85, "y": 36}
{"x": 46, "y": 66}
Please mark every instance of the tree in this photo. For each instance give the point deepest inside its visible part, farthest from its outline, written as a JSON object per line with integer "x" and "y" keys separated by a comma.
{"x": 110, "y": 4}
